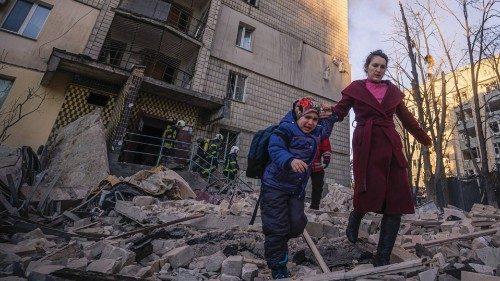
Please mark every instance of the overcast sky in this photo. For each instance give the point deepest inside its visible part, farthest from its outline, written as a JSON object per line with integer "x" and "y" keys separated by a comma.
{"x": 370, "y": 22}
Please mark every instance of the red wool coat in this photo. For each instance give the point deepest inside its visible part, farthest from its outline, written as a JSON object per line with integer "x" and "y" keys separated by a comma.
{"x": 379, "y": 165}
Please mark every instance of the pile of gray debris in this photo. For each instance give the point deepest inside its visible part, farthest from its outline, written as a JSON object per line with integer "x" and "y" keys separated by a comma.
{"x": 73, "y": 221}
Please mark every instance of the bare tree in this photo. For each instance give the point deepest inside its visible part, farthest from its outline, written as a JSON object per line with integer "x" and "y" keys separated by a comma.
{"x": 417, "y": 96}
{"x": 18, "y": 109}
{"x": 477, "y": 45}
{"x": 430, "y": 52}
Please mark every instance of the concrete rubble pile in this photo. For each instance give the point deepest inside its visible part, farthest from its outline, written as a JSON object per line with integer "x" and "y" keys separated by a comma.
{"x": 153, "y": 226}
{"x": 134, "y": 241}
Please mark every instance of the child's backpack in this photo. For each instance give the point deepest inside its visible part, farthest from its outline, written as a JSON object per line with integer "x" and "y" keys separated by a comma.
{"x": 258, "y": 154}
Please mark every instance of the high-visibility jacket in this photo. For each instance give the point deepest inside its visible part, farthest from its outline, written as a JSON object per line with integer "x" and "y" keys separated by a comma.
{"x": 231, "y": 165}
{"x": 170, "y": 133}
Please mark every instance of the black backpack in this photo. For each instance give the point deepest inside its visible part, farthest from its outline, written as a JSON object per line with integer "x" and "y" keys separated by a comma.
{"x": 258, "y": 154}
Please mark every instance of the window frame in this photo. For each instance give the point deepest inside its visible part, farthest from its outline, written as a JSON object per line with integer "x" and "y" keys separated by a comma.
{"x": 8, "y": 91}
{"x": 254, "y": 5}
{"x": 494, "y": 124}
{"x": 28, "y": 18}
{"x": 231, "y": 88}
{"x": 240, "y": 37}
{"x": 228, "y": 142}
{"x": 496, "y": 149}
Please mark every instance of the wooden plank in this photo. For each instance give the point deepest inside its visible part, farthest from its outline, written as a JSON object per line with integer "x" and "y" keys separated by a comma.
{"x": 153, "y": 227}
{"x": 317, "y": 255}
{"x": 492, "y": 216}
{"x": 82, "y": 275}
{"x": 68, "y": 251}
{"x": 387, "y": 269}
{"x": 472, "y": 276}
{"x": 455, "y": 238}
{"x": 401, "y": 255}
{"x": 24, "y": 225}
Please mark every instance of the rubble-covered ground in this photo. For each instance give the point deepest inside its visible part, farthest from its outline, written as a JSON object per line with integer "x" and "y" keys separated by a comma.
{"x": 154, "y": 226}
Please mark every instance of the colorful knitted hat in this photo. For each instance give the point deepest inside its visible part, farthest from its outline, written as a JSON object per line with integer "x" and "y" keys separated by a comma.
{"x": 306, "y": 105}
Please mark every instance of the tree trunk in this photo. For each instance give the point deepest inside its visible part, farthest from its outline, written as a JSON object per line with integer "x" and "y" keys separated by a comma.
{"x": 418, "y": 99}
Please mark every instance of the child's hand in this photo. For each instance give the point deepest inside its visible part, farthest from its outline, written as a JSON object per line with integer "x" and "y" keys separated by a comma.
{"x": 298, "y": 166}
{"x": 326, "y": 111}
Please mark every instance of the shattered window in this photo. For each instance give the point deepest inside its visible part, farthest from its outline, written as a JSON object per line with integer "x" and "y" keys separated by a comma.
{"x": 236, "y": 86}
{"x": 244, "y": 39}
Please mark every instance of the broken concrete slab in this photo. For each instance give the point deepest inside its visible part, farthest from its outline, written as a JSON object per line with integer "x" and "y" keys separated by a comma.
{"x": 77, "y": 160}
{"x": 489, "y": 256}
{"x": 214, "y": 262}
{"x": 107, "y": 266}
{"x": 77, "y": 263}
{"x": 232, "y": 265}
{"x": 179, "y": 257}
{"x": 483, "y": 269}
{"x": 186, "y": 275}
{"x": 225, "y": 277}
{"x": 125, "y": 256}
{"x": 249, "y": 272}
{"x": 133, "y": 212}
{"x": 130, "y": 270}
{"x": 160, "y": 180}
{"x": 42, "y": 272}
{"x": 162, "y": 246}
{"x": 428, "y": 275}
{"x": 143, "y": 201}
{"x": 447, "y": 277}
{"x": 472, "y": 276}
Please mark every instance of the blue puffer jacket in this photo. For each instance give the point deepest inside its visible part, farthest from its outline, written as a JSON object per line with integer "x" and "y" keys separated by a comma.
{"x": 279, "y": 174}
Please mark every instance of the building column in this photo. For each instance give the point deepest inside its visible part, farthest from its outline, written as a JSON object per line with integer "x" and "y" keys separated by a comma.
{"x": 125, "y": 106}
{"x": 203, "y": 58}
{"x": 101, "y": 28}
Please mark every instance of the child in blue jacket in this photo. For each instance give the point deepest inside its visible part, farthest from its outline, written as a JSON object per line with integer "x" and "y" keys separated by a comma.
{"x": 285, "y": 179}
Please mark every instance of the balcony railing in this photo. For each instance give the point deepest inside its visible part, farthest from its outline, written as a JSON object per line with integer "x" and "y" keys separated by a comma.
{"x": 166, "y": 12}
{"x": 158, "y": 65}
{"x": 167, "y": 57}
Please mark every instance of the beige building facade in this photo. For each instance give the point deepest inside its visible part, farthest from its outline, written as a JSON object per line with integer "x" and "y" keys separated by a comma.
{"x": 223, "y": 66}
{"x": 458, "y": 160}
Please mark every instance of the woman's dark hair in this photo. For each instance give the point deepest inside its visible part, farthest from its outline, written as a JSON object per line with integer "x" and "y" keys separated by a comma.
{"x": 376, "y": 53}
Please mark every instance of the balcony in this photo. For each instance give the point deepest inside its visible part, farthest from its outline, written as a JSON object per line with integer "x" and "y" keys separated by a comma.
{"x": 187, "y": 17}
{"x": 167, "y": 57}
{"x": 469, "y": 125}
{"x": 473, "y": 143}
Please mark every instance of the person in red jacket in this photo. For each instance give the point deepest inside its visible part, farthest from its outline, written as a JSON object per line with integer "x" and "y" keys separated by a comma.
{"x": 380, "y": 168}
{"x": 321, "y": 162}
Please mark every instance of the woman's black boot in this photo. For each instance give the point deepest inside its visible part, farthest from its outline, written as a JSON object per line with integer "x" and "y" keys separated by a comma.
{"x": 388, "y": 232}
{"x": 353, "y": 226}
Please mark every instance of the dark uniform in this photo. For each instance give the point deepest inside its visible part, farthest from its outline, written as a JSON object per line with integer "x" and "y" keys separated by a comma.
{"x": 231, "y": 166}
{"x": 212, "y": 157}
{"x": 169, "y": 135}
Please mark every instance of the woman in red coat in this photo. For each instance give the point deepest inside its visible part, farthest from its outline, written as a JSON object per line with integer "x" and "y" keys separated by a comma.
{"x": 379, "y": 165}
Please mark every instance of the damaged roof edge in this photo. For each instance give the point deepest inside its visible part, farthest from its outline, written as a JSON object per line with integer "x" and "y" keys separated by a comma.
{"x": 61, "y": 60}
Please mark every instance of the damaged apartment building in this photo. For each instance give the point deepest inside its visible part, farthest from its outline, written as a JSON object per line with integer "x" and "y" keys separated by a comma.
{"x": 223, "y": 66}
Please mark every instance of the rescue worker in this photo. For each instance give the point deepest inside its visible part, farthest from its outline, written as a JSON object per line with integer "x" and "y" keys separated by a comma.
{"x": 170, "y": 136}
{"x": 212, "y": 155}
{"x": 200, "y": 158}
{"x": 231, "y": 166}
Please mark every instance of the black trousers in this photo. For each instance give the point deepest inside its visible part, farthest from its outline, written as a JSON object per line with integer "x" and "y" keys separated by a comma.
{"x": 282, "y": 218}
{"x": 317, "y": 181}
